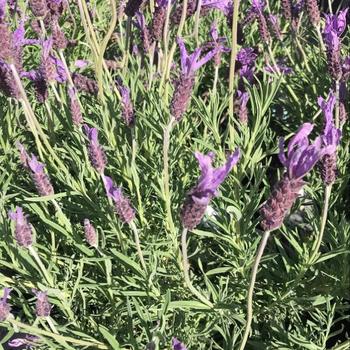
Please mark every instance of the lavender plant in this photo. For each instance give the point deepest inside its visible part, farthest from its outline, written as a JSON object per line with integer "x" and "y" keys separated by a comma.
{"x": 134, "y": 252}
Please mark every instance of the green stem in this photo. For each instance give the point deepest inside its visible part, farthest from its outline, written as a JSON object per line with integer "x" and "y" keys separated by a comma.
{"x": 197, "y": 20}
{"x": 57, "y": 337}
{"x": 233, "y": 58}
{"x": 324, "y": 216}
{"x": 166, "y": 187}
{"x": 46, "y": 274}
{"x": 258, "y": 257}
{"x": 186, "y": 269}
{"x": 216, "y": 78}
{"x": 138, "y": 245}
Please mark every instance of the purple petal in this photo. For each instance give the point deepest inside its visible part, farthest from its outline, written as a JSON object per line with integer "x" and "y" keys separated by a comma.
{"x": 300, "y": 138}
{"x": 81, "y": 63}
{"x": 36, "y": 166}
{"x": 177, "y": 345}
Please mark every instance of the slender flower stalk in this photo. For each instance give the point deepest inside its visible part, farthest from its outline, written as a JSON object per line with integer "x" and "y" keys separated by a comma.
{"x": 233, "y": 61}
{"x": 300, "y": 159}
{"x": 186, "y": 269}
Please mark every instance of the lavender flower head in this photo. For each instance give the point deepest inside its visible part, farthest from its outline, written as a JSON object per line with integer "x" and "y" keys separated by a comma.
{"x": 90, "y": 233}
{"x": 26, "y": 342}
{"x": 158, "y": 20}
{"x": 2, "y": 10}
{"x": 246, "y": 56}
{"x": 74, "y": 107}
{"x": 217, "y": 43}
{"x": 177, "y": 345}
{"x": 23, "y": 155}
{"x": 40, "y": 178}
{"x": 96, "y": 152}
{"x": 127, "y": 106}
{"x": 275, "y": 26}
{"x": 23, "y": 230}
{"x": 336, "y": 22}
{"x": 241, "y": 109}
{"x": 198, "y": 197}
{"x": 5, "y": 308}
{"x": 300, "y": 159}
{"x": 190, "y": 63}
{"x": 42, "y": 305}
{"x": 123, "y": 207}
{"x": 143, "y": 29}
{"x": 331, "y": 137}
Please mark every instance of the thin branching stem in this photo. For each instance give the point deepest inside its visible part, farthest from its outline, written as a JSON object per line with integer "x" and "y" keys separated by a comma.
{"x": 166, "y": 179}
{"x": 138, "y": 245}
{"x": 257, "y": 260}
{"x": 43, "y": 269}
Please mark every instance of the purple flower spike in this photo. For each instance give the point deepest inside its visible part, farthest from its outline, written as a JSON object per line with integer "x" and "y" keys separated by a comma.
{"x": 23, "y": 230}
{"x": 42, "y": 306}
{"x": 158, "y": 20}
{"x": 96, "y": 152}
{"x": 241, "y": 106}
{"x": 123, "y": 207}
{"x": 144, "y": 32}
{"x": 191, "y": 63}
{"x": 5, "y": 308}
{"x": 300, "y": 159}
{"x": 246, "y": 56}
{"x": 23, "y": 343}
{"x": 2, "y": 10}
{"x": 217, "y": 44}
{"x": 199, "y": 196}
{"x": 331, "y": 138}
{"x": 184, "y": 85}
{"x": 23, "y": 155}
{"x": 337, "y": 22}
{"x": 74, "y": 107}
{"x": 40, "y": 178}
{"x": 90, "y": 233}
{"x": 127, "y": 107}
{"x": 177, "y": 345}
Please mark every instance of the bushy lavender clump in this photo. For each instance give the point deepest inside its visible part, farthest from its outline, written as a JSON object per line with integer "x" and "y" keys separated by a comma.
{"x": 184, "y": 85}
{"x": 132, "y": 7}
{"x": 127, "y": 106}
{"x": 90, "y": 233}
{"x": 74, "y": 107}
{"x": 96, "y": 153}
{"x": 199, "y": 197}
{"x": 23, "y": 230}
{"x": 330, "y": 137}
{"x": 83, "y": 83}
{"x": 301, "y": 158}
{"x": 40, "y": 178}
{"x": 158, "y": 20}
{"x": 5, "y": 307}
{"x": 313, "y": 11}
{"x": 123, "y": 206}
{"x": 42, "y": 305}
